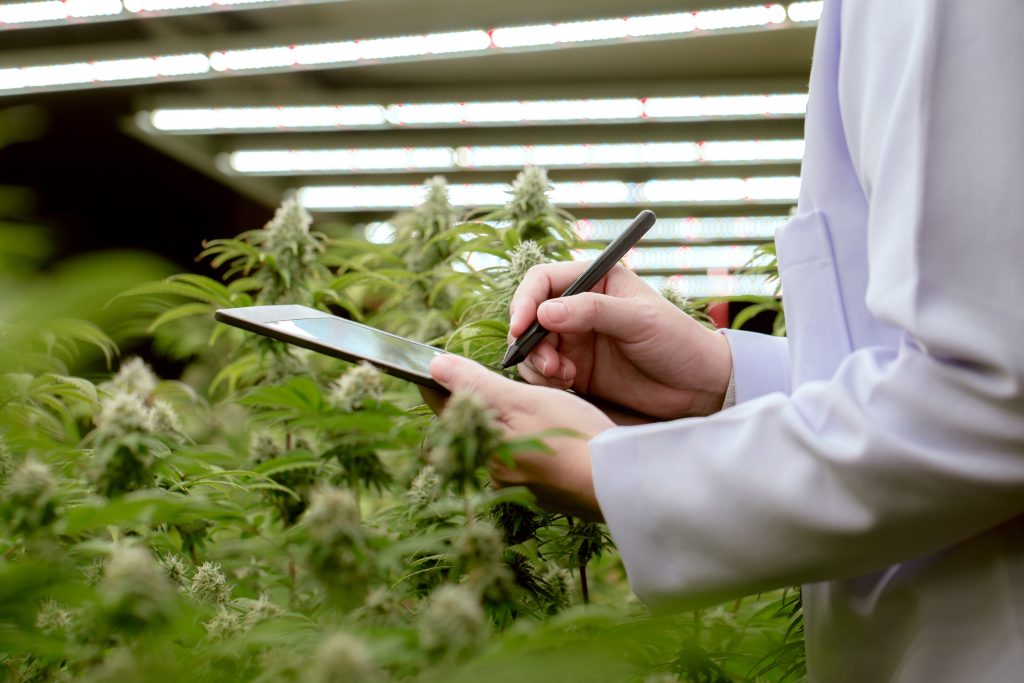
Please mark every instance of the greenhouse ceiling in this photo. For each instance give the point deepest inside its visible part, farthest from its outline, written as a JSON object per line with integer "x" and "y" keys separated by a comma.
{"x": 694, "y": 107}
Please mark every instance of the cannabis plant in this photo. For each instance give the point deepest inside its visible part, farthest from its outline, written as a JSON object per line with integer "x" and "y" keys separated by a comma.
{"x": 277, "y": 515}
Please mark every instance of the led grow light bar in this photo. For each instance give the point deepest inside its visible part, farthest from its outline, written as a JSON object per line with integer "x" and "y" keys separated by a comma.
{"x": 454, "y": 114}
{"x": 66, "y": 12}
{"x": 702, "y": 191}
{"x": 282, "y": 58}
{"x": 510, "y": 157}
{"x": 737, "y": 228}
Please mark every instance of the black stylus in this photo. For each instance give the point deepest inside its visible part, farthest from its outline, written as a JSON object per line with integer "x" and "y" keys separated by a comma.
{"x": 522, "y": 346}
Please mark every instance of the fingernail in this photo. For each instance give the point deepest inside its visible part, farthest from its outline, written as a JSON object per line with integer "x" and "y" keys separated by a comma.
{"x": 442, "y": 369}
{"x": 544, "y": 368}
{"x": 564, "y": 374}
{"x": 555, "y": 311}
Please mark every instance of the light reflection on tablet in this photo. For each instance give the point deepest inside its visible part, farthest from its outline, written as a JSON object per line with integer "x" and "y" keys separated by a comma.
{"x": 363, "y": 342}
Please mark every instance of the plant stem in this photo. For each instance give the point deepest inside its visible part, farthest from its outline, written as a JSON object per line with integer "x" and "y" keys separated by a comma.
{"x": 583, "y": 584}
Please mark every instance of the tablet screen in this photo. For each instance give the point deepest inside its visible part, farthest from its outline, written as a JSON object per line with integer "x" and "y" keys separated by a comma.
{"x": 364, "y": 342}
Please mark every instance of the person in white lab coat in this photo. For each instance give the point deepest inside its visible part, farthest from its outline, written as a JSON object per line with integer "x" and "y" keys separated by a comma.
{"x": 877, "y": 457}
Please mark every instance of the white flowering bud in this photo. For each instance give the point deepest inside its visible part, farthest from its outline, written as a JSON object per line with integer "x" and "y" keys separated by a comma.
{"x": 135, "y": 377}
{"x": 382, "y": 604}
{"x": 263, "y": 447}
{"x": 258, "y": 611}
{"x": 134, "y": 591}
{"x": 479, "y": 544}
{"x": 54, "y": 618}
{"x": 468, "y": 435}
{"x": 524, "y": 256}
{"x": 31, "y": 496}
{"x": 333, "y": 513}
{"x": 288, "y": 232}
{"x": 357, "y": 385}
{"x": 164, "y": 418}
{"x": 118, "y": 666}
{"x": 530, "y": 193}
{"x": 224, "y": 624}
{"x": 560, "y": 583}
{"x": 436, "y": 209}
{"x": 675, "y": 297}
{"x": 343, "y": 658}
{"x": 453, "y": 621}
{"x": 425, "y": 488}
{"x": 122, "y": 413}
{"x": 175, "y": 569}
{"x": 209, "y": 585}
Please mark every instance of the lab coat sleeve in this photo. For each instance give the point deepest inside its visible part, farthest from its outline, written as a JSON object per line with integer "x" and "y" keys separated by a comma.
{"x": 760, "y": 364}
{"x": 906, "y": 449}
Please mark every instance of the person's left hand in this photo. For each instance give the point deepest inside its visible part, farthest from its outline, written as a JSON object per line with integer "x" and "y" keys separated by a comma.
{"x": 562, "y": 480}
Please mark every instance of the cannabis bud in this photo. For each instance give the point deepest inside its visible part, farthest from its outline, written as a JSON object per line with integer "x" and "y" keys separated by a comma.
{"x": 343, "y": 658}
{"x": 530, "y": 194}
{"x": 355, "y": 387}
{"x": 467, "y": 436}
{"x": 675, "y": 297}
{"x": 290, "y": 250}
{"x": 224, "y": 624}
{"x": 53, "y": 618}
{"x": 31, "y": 496}
{"x": 122, "y": 413}
{"x": 453, "y": 622}
{"x": 560, "y": 584}
{"x": 524, "y": 256}
{"x": 337, "y": 550}
{"x": 333, "y": 514}
{"x": 425, "y": 488}
{"x": 135, "y": 377}
{"x": 477, "y": 545}
{"x": 134, "y": 592}
{"x": 175, "y": 570}
{"x": 209, "y": 585}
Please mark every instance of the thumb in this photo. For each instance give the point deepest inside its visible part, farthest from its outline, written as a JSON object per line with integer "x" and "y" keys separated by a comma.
{"x": 456, "y": 373}
{"x": 590, "y": 312}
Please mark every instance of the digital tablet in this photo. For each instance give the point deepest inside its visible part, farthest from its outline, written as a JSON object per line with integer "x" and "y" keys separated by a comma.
{"x": 338, "y": 337}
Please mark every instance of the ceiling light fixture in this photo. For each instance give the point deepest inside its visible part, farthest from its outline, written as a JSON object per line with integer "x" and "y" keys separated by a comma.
{"x": 511, "y": 157}
{"x": 278, "y": 58}
{"x": 701, "y": 191}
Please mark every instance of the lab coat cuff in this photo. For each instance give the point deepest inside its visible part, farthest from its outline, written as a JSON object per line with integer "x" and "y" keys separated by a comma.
{"x": 760, "y": 364}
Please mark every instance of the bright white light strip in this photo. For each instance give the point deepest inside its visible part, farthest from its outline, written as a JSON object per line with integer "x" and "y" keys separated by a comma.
{"x": 543, "y": 35}
{"x": 744, "y": 227}
{"x": 805, "y": 11}
{"x": 702, "y": 286}
{"x": 304, "y": 161}
{"x": 729, "y": 106}
{"x": 284, "y": 57}
{"x": 661, "y": 258}
{"x": 741, "y": 227}
{"x": 106, "y": 71}
{"x": 341, "y": 160}
{"x": 596, "y": 193}
{"x": 265, "y": 118}
{"x": 618, "y": 110}
{"x": 56, "y": 11}
{"x": 711, "y": 190}
{"x": 50, "y": 12}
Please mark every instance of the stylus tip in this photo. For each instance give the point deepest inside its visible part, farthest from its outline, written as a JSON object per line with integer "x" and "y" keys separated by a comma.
{"x": 510, "y": 355}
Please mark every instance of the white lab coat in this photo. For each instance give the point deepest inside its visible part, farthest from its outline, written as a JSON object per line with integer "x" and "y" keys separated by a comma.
{"x": 880, "y": 459}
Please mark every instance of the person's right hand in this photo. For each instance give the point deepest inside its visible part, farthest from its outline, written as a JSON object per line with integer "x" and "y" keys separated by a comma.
{"x": 621, "y": 342}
